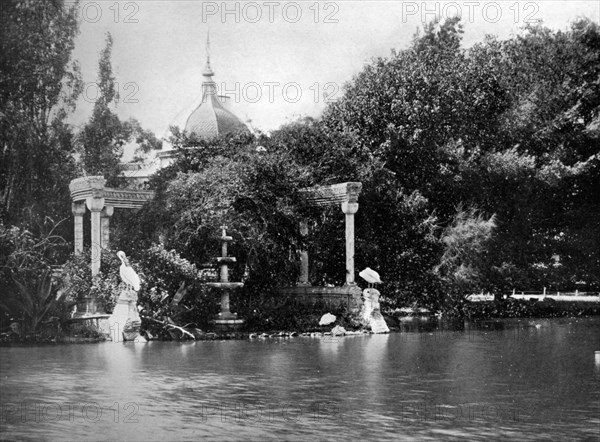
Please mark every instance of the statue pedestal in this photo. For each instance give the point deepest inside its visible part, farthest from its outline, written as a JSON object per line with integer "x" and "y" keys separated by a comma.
{"x": 86, "y": 307}
{"x": 228, "y": 325}
{"x": 370, "y": 314}
{"x": 125, "y": 321}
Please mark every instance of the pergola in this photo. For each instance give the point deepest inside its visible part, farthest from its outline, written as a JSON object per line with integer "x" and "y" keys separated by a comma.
{"x": 346, "y": 195}
{"x": 90, "y": 192}
{"x": 101, "y": 201}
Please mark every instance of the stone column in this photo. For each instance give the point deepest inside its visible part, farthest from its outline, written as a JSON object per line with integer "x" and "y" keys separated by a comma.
{"x": 105, "y": 215}
{"x": 95, "y": 205}
{"x": 78, "y": 210}
{"x": 225, "y": 309}
{"x": 349, "y": 209}
{"x": 303, "y": 280}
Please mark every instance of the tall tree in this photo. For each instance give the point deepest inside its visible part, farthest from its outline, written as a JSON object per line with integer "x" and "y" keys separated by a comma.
{"x": 407, "y": 108}
{"x": 39, "y": 84}
{"x": 543, "y": 175}
{"x": 102, "y": 139}
{"x": 509, "y": 127}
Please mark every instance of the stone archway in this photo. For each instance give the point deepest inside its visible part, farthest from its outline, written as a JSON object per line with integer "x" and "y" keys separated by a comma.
{"x": 346, "y": 195}
{"x": 90, "y": 192}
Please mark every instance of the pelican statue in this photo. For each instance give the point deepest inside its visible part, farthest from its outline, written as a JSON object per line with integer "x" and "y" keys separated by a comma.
{"x": 128, "y": 275}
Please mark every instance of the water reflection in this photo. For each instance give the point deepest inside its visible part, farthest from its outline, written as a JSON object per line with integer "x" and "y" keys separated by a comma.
{"x": 531, "y": 379}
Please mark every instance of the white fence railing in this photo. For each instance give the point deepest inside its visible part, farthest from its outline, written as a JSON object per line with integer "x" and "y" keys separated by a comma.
{"x": 540, "y": 295}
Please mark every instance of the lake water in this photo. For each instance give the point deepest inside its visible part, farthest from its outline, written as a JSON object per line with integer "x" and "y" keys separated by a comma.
{"x": 505, "y": 380}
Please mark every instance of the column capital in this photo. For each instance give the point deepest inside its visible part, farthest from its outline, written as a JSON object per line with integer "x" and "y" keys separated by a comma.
{"x": 349, "y": 208}
{"x": 107, "y": 211}
{"x": 94, "y": 204}
{"x": 78, "y": 209}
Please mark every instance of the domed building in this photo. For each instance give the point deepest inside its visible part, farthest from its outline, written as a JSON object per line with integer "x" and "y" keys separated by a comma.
{"x": 208, "y": 117}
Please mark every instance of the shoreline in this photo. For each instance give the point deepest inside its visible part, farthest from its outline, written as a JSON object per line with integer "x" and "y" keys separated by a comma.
{"x": 396, "y": 323}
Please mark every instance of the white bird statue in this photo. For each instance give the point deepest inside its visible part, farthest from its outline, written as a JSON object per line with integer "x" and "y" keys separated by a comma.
{"x": 128, "y": 275}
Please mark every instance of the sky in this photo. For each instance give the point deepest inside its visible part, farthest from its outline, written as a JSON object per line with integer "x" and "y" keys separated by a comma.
{"x": 277, "y": 60}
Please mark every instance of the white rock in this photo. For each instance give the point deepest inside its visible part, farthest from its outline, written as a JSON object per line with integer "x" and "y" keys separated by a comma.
{"x": 338, "y": 331}
{"x": 327, "y": 319}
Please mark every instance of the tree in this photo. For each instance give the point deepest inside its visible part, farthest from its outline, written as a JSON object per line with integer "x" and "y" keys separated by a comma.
{"x": 542, "y": 175}
{"x": 465, "y": 245}
{"x": 510, "y": 127}
{"x": 429, "y": 129}
{"x": 39, "y": 84}
{"x": 145, "y": 139}
{"x": 102, "y": 139}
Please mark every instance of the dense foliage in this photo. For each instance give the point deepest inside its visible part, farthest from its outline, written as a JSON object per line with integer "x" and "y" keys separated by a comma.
{"x": 29, "y": 291}
{"x": 509, "y": 127}
{"x": 480, "y": 170}
{"x": 428, "y": 131}
{"x": 39, "y": 87}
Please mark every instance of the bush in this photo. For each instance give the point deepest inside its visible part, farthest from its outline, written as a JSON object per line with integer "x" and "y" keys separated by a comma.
{"x": 28, "y": 290}
{"x": 33, "y": 303}
{"x": 78, "y": 283}
{"x": 163, "y": 272}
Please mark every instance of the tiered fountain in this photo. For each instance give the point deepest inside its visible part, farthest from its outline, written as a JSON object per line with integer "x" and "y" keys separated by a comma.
{"x": 226, "y": 320}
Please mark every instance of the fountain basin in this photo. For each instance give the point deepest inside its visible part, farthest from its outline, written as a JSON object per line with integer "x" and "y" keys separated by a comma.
{"x": 98, "y": 322}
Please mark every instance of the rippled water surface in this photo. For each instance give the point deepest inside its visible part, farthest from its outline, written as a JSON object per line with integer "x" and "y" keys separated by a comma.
{"x": 518, "y": 380}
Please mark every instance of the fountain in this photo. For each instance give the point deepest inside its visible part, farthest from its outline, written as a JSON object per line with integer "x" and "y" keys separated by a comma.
{"x": 226, "y": 320}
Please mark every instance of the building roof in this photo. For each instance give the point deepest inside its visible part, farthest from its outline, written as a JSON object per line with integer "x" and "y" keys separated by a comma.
{"x": 209, "y": 116}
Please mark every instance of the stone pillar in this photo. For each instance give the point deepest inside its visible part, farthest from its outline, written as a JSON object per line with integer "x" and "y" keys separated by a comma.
{"x": 78, "y": 210}
{"x": 225, "y": 309}
{"x": 95, "y": 205}
{"x": 105, "y": 215}
{"x": 349, "y": 209}
{"x": 304, "y": 268}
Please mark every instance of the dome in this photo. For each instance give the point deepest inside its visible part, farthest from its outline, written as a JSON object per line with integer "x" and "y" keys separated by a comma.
{"x": 209, "y": 116}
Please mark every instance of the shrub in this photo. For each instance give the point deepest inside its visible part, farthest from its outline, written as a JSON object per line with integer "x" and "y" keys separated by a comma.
{"x": 78, "y": 282}
{"x": 163, "y": 272}
{"x": 33, "y": 302}
{"x": 28, "y": 291}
